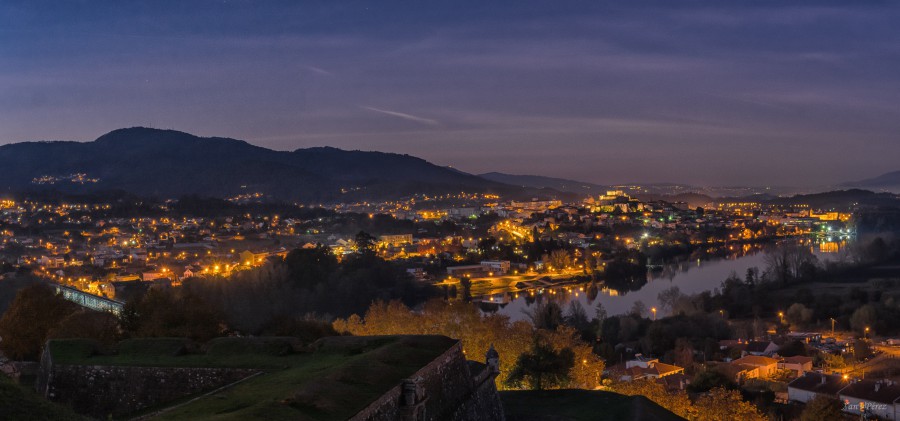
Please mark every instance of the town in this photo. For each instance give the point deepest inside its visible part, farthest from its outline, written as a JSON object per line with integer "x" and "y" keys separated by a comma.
{"x": 449, "y": 211}
{"x": 103, "y": 254}
{"x": 88, "y": 247}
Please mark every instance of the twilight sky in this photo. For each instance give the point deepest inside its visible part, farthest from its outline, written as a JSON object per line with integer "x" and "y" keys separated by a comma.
{"x": 708, "y": 92}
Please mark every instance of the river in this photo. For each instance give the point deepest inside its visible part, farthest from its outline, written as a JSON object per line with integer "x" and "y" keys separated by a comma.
{"x": 691, "y": 277}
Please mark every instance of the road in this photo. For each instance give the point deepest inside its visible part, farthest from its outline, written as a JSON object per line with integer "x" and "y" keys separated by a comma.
{"x": 502, "y": 284}
{"x": 887, "y": 359}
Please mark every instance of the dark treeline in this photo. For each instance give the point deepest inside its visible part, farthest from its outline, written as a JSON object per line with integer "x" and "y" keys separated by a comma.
{"x": 616, "y": 338}
{"x": 786, "y": 286}
{"x": 296, "y": 296}
{"x": 307, "y": 283}
{"x": 741, "y": 307}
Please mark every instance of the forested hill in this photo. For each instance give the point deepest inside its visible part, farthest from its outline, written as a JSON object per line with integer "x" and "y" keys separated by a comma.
{"x": 168, "y": 163}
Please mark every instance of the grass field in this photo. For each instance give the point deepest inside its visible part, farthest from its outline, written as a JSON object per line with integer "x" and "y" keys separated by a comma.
{"x": 18, "y": 403}
{"x": 334, "y": 380}
{"x": 178, "y": 352}
{"x": 580, "y": 405}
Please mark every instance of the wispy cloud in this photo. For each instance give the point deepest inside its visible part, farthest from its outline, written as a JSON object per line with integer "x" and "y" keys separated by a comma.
{"x": 404, "y": 116}
{"x": 319, "y": 70}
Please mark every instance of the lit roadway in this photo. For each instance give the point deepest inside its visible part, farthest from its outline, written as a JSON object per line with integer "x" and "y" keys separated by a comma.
{"x": 886, "y": 358}
{"x": 501, "y": 284}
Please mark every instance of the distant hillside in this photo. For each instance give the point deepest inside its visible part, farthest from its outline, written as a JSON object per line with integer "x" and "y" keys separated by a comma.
{"x": 168, "y": 163}
{"x": 889, "y": 181}
{"x": 537, "y": 181}
{"x": 840, "y": 199}
{"x": 692, "y": 199}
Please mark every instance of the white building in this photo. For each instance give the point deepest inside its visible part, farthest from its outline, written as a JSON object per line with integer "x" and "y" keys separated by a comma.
{"x": 806, "y": 387}
{"x": 876, "y": 397}
{"x": 497, "y": 267}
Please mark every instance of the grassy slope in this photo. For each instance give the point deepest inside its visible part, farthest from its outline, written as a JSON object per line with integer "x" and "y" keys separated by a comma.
{"x": 169, "y": 352}
{"x": 336, "y": 381}
{"x": 580, "y": 405}
{"x": 17, "y": 403}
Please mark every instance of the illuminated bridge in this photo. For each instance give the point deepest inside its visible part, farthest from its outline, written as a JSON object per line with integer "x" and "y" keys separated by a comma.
{"x": 90, "y": 301}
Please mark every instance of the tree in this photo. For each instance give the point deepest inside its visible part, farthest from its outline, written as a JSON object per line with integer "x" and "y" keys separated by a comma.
{"x": 26, "y": 324}
{"x": 785, "y": 262}
{"x": 365, "y": 243}
{"x": 87, "y": 324}
{"x": 577, "y": 317}
{"x": 546, "y": 315}
{"x": 599, "y": 319}
{"x": 308, "y": 330}
{"x": 485, "y": 245}
{"x": 310, "y": 267}
{"x": 477, "y": 332}
{"x": 466, "y": 285}
{"x": 560, "y": 259}
{"x": 668, "y": 297}
{"x": 832, "y": 361}
{"x": 709, "y": 379}
{"x": 752, "y": 274}
{"x": 823, "y": 408}
{"x": 721, "y": 404}
{"x": 792, "y": 349}
{"x": 877, "y": 250}
{"x": 542, "y": 367}
{"x": 600, "y": 313}
{"x": 861, "y": 350}
{"x": 683, "y": 354}
{"x": 638, "y": 309}
{"x": 168, "y": 313}
{"x": 798, "y": 315}
{"x": 863, "y": 317}
{"x": 677, "y": 402}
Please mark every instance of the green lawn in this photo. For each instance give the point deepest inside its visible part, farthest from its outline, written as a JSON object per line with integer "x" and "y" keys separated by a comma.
{"x": 18, "y": 403}
{"x": 334, "y": 380}
{"x": 580, "y": 405}
{"x": 269, "y": 352}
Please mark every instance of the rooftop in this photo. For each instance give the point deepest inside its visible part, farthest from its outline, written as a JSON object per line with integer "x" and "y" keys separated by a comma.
{"x": 755, "y": 360}
{"x": 819, "y": 383}
{"x": 797, "y": 359}
{"x": 758, "y": 346}
{"x": 873, "y": 390}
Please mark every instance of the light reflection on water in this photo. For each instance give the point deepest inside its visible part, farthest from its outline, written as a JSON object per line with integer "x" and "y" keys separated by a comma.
{"x": 691, "y": 277}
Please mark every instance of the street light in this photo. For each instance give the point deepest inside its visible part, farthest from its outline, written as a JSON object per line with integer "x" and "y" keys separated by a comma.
{"x": 653, "y": 309}
{"x": 781, "y": 316}
{"x": 866, "y": 334}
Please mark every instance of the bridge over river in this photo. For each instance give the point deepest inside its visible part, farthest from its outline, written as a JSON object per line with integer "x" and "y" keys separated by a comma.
{"x": 91, "y": 301}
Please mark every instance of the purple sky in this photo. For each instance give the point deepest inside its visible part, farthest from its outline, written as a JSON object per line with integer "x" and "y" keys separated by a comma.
{"x": 768, "y": 92}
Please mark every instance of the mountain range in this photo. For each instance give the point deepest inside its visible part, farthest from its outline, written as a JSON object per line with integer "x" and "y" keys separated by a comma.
{"x": 168, "y": 163}
{"x": 889, "y": 182}
{"x": 537, "y": 181}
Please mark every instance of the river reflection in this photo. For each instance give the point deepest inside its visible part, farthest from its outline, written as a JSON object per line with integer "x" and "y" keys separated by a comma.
{"x": 690, "y": 276}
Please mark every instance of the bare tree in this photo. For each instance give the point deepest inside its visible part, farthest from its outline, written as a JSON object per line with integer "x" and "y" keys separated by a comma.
{"x": 668, "y": 297}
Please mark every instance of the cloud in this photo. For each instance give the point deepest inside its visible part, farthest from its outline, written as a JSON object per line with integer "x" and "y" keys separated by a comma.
{"x": 319, "y": 70}
{"x": 404, "y": 116}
